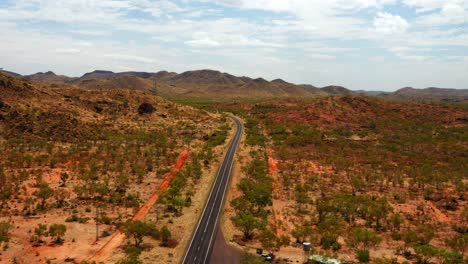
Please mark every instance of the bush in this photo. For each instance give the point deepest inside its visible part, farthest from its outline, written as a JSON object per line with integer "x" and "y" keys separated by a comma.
{"x": 58, "y": 231}
{"x": 146, "y": 108}
{"x": 330, "y": 241}
{"x": 138, "y": 230}
{"x": 165, "y": 235}
{"x": 363, "y": 255}
{"x": 4, "y": 229}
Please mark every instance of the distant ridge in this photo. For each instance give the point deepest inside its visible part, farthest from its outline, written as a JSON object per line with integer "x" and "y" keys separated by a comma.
{"x": 216, "y": 84}
{"x": 11, "y": 73}
{"x": 430, "y": 94}
{"x": 337, "y": 90}
{"x": 49, "y": 76}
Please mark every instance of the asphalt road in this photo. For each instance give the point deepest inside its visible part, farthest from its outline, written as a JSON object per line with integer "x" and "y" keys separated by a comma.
{"x": 201, "y": 245}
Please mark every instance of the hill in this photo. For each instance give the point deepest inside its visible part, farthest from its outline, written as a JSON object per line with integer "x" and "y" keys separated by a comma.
{"x": 207, "y": 84}
{"x": 67, "y": 151}
{"x": 219, "y": 86}
{"x": 430, "y": 94}
{"x": 48, "y": 77}
{"x": 336, "y": 90}
{"x": 120, "y": 81}
{"x": 64, "y": 114}
{"x": 11, "y": 73}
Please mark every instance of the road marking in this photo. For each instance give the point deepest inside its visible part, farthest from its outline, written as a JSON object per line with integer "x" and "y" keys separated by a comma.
{"x": 240, "y": 130}
{"x": 220, "y": 178}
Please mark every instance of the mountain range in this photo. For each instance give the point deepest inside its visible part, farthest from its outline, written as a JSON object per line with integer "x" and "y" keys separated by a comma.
{"x": 219, "y": 85}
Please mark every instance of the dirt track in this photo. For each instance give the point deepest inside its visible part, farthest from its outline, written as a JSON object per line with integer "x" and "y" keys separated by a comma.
{"x": 118, "y": 237}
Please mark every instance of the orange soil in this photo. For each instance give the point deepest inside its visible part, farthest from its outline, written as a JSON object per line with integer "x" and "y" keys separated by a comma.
{"x": 436, "y": 213}
{"x": 277, "y": 206}
{"x": 116, "y": 240}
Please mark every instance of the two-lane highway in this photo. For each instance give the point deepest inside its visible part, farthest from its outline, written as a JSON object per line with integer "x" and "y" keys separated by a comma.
{"x": 200, "y": 247}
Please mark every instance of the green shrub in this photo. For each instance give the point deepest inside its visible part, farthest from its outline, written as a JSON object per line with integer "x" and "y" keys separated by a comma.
{"x": 362, "y": 255}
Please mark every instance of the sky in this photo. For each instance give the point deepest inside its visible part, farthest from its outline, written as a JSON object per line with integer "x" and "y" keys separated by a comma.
{"x": 359, "y": 44}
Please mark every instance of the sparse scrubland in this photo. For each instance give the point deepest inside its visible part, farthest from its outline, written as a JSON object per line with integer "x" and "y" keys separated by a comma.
{"x": 363, "y": 179}
{"x": 73, "y": 157}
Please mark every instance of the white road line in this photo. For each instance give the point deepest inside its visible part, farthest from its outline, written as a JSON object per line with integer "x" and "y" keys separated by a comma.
{"x": 228, "y": 153}
{"x": 240, "y": 129}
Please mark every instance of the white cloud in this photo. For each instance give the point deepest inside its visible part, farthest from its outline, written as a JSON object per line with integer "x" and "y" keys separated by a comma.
{"x": 203, "y": 42}
{"x": 294, "y": 38}
{"x": 390, "y": 24}
{"x": 68, "y": 51}
{"x": 130, "y": 58}
{"x": 409, "y": 53}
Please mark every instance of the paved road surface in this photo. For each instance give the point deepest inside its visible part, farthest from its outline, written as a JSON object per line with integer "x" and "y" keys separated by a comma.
{"x": 200, "y": 247}
{"x": 222, "y": 252}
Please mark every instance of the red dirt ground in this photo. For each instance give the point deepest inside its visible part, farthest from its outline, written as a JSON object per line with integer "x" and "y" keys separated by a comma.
{"x": 116, "y": 240}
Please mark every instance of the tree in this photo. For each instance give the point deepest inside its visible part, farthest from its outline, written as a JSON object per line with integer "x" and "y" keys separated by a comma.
{"x": 301, "y": 197}
{"x": 268, "y": 239}
{"x": 4, "y": 229}
{"x": 329, "y": 240}
{"x": 301, "y": 233}
{"x": 363, "y": 237}
{"x": 139, "y": 229}
{"x": 57, "y": 231}
{"x": 146, "y": 108}
{"x": 247, "y": 223}
{"x": 283, "y": 240}
{"x": 40, "y": 231}
{"x": 64, "y": 177}
{"x": 452, "y": 257}
{"x": 362, "y": 255}
{"x": 44, "y": 193}
{"x": 248, "y": 258}
{"x": 396, "y": 220}
{"x": 425, "y": 252}
{"x": 165, "y": 235}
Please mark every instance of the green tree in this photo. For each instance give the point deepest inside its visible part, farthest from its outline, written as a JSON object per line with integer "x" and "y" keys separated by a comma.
{"x": 165, "y": 235}
{"x": 329, "y": 240}
{"x": 301, "y": 233}
{"x": 425, "y": 252}
{"x": 247, "y": 223}
{"x": 40, "y": 231}
{"x": 57, "y": 231}
{"x": 302, "y": 197}
{"x": 139, "y": 229}
{"x": 396, "y": 221}
{"x": 268, "y": 239}
{"x": 248, "y": 258}
{"x": 44, "y": 193}
{"x": 362, "y": 255}
{"x": 363, "y": 237}
{"x": 452, "y": 257}
{"x": 4, "y": 230}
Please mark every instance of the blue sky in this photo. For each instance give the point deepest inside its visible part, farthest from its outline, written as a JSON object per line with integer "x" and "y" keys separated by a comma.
{"x": 360, "y": 44}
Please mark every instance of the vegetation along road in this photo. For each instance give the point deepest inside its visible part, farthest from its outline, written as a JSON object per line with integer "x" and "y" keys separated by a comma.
{"x": 200, "y": 247}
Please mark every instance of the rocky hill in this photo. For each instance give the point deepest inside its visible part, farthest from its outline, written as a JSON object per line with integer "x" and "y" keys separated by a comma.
{"x": 216, "y": 85}
{"x": 336, "y": 90}
{"x": 48, "y": 77}
{"x": 33, "y": 111}
{"x": 430, "y": 94}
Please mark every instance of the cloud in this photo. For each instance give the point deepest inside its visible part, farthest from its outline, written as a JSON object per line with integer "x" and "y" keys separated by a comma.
{"x": 390, "y": 24}
{"x": 203, "y": 42}
{"x": 129, "y": 58}
{"x": 68, "y": 51}
{"x": 268, "y": 38}
{"x": 408, "y": 53}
